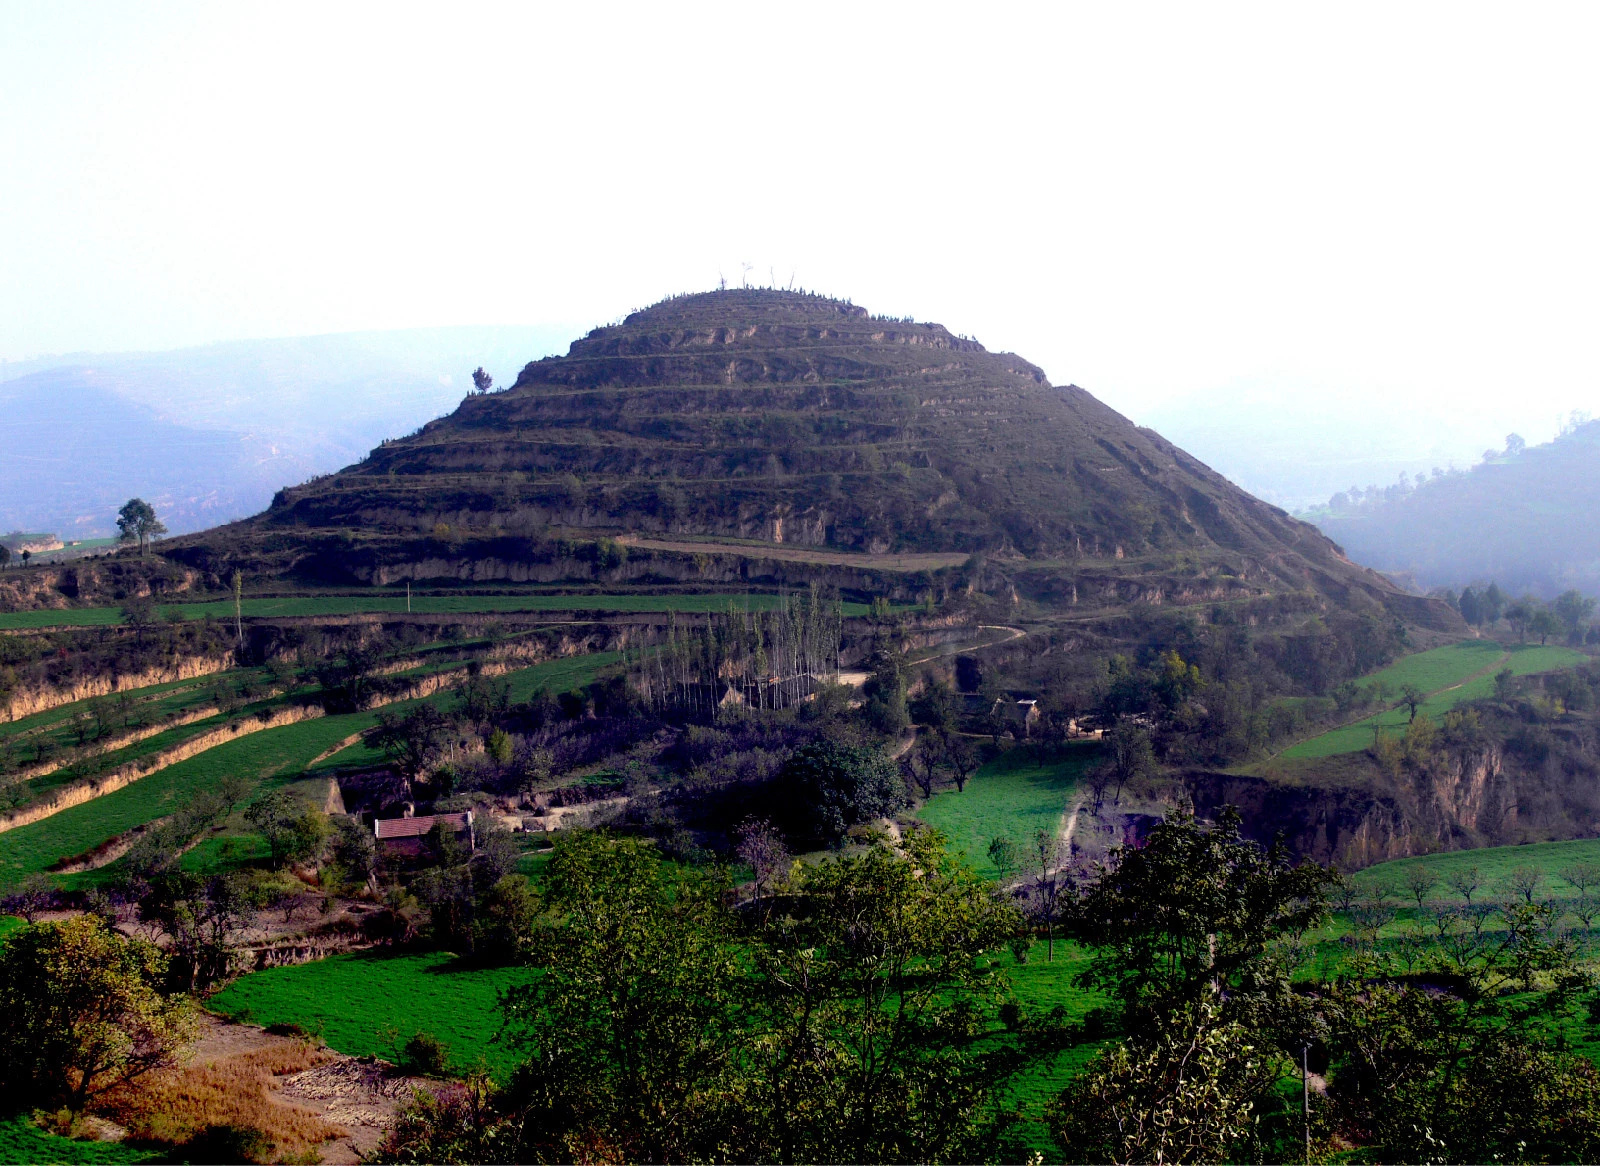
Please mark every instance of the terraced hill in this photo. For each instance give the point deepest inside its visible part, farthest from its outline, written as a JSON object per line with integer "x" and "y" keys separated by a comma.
{"x": 785, "y": 418}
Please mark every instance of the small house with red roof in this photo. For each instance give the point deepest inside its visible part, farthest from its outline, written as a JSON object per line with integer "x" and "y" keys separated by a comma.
{"x": 408, "y": 835}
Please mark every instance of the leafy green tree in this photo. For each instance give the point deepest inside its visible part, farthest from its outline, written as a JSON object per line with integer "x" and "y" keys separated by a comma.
{"x": 347, "y": 680}
{"x": 1544, "y": 623}
{"x": 865, "y": 1020}
{"x": 5, "y": 555}
{"x": 1494, "y": 604}
{"x": 832, "y": 786}
{"x": 1003, "y": 856}
{"x": 353, "y": 857}
{"x": 1520, "y": 615}
{"x": 1186, "y": 1090}
{"x": 412, "y": 743}
{"x": 1197, "y": 909}
{"x": 885, "y": 698}
{"x": 81, "y": 1011}
{"x": 506, "y": 919}
{"x": 634, "y": 1029}
{"x": 1572, "y": 609}
{"x": 1426, "y": 1076}
{"x": 880, "y": 1011}
{"x": 199, "y": 917}
{"x": 936, "y": 706}
{"x": 482, "y": 382}
{"x": 293, "y": 830}
{"x": 137, "y": 523}
{"x": 1130, "y": 755}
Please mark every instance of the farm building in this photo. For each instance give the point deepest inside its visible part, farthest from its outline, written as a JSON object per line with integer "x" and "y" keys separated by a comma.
{"x": 1021, "y": 715}
{"x": 408, "y": 835}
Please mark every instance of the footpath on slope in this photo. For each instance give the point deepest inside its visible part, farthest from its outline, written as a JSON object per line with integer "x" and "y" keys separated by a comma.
{"x": 910, "y": 561}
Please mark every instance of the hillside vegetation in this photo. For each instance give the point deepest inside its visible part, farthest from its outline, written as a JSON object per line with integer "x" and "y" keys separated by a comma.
{"x": 796, "y": 421}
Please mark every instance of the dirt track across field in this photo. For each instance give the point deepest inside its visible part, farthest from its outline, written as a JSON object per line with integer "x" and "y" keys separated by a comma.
{"x": 932, "y": 561}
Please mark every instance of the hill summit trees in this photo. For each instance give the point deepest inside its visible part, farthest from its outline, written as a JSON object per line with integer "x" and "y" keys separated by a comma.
{"x": 137, "y": 523}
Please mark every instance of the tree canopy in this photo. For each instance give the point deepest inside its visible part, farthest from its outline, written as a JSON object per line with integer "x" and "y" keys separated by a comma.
{"x": 137, "y": 523}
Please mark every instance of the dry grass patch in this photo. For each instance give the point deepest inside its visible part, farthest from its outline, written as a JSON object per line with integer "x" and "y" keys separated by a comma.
{"x": 229, "y": 1099}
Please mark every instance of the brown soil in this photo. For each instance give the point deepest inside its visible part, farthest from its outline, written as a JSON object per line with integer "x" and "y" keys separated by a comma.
{"x": 308, "y": 1101}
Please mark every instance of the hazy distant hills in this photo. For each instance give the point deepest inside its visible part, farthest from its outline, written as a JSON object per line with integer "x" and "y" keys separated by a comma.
{"x": 1297, "y": 448}
{"x": 209, "y": 434}
{"x": 1526, "y": 520}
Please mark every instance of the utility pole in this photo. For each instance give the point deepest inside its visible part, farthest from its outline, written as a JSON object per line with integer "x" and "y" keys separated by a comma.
{"x": 238, "y": 606}
{"x": 1305, "y": 1095}
{"x": 408, "y": 596}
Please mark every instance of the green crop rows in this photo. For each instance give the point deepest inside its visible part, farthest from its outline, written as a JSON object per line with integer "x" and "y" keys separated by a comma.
{"x": 334, "y": 605}
{"x": 267, "y": 756}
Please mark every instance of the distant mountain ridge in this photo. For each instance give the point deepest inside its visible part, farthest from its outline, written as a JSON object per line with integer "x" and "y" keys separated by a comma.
{"x": 209, "y": 434}
{"x": 1524, "y": 519}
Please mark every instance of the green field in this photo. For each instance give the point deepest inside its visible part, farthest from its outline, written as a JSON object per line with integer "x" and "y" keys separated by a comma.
{"x": 1015, "y": 795}
{"x": 23, "y": 1143}
{"x": 1494, "y": 864}
{"x": 151, "y": 703}
{"x": 370, "y": 1004}
{"x": 389, "y": 603}
{"x": 1450, "y": 675}
{"x": 268, "y": 756}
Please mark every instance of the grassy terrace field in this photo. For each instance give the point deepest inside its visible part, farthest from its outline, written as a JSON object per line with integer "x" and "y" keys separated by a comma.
{"x": 1014, "y": 795}
{"x": 23, "y": 1142}
{"x": 390, "y": 603}
{"x": 1449, "y": 675}
{"x": 269, "y": 757}
{"x": 149, "y": 704}
{"x": 1494, "y": 866}
{"x": 370, "y": 1004}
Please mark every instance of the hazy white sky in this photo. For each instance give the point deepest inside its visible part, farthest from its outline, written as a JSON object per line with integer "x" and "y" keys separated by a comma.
{"x": 1151, "y": 201}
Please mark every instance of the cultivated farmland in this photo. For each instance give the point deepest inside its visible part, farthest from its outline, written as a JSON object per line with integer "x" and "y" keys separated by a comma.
{"x": 1014, "y": 796}
{"x": 1449, "y": 675}
{"x": 389, "y": 603}
{"x": 268, "y": 757}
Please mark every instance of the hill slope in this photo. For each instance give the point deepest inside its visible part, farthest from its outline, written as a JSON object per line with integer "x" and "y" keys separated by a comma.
{"x": 782, "y": 417}
{"x": 1524, "y": 519}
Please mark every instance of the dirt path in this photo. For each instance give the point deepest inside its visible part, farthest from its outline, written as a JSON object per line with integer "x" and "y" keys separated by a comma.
{"x": 795, "y": 554}
{"x": 957, "y": 649}
{"x": 1071, "y": 826}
